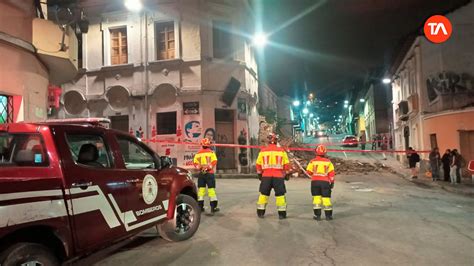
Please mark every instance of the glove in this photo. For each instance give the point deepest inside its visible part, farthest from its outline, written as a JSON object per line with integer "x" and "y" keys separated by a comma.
{"x": 332, "y": 185}
{"x": 287, "y": 177}
{"x": 259, "y": 177}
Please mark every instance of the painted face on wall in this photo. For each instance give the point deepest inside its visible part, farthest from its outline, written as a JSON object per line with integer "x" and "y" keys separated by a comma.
{"x": 210, "y": 134}
{"x": 193, "y": 129}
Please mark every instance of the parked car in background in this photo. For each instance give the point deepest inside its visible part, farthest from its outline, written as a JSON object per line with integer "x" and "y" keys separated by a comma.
{"x": 350, "y": 141}
{"x": 72, "y": 187}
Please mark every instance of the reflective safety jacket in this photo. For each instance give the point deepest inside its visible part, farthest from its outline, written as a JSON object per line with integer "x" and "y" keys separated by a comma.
{"x": 321, "y": 169}
{"x": 273, "y": 161}
{"x": 205, "y": 159}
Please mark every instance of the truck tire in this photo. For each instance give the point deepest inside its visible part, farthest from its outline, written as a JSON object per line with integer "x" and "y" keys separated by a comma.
{"x": 185, "y": 223}
{"x": 28, "y": 254}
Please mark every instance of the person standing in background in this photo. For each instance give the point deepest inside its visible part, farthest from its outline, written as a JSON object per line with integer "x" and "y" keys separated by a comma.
{"x": 446, "y": 160}
{"x": 452, "y": 165}
{"x": 434, "y": 163}
{"x": 362, "y": 140}
{"x": 413, "y": 159}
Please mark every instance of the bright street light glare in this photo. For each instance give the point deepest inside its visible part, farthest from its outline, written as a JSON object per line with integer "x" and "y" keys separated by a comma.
{"x": 296, "y": 103}
{"x": 311, "y": 115}
{"x": 305, "y": 111}
{"x": 345, "y": 106}
{"x": 346, "y": 102}
{"x": 340, "y": 116}
{"x": 386, "y": 81}
{"x": 260, "y": 39}
{"x": 133, "y": 5}
{"x": 362, "y": 100}
{"x": 308, "y": 102}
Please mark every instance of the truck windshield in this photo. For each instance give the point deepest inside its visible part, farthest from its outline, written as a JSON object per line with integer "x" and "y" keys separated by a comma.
{"x": 22, "y": 150}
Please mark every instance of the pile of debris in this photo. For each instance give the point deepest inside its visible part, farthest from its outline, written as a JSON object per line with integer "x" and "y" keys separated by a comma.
{"x": 300, "y": 159}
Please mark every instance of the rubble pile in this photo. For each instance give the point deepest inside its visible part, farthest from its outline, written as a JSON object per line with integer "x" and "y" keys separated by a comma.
{"x": 300, "y": 159}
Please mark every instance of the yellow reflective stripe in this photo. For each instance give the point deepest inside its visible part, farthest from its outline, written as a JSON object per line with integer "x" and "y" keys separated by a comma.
{"x": 212, "y": 194}
{"x": 317, "y": 200}
{"x": 262, "y": 202}
{"x": 281, "y": 203}
{"x": 327, "y": 203}
{"x": 201, "y": 193}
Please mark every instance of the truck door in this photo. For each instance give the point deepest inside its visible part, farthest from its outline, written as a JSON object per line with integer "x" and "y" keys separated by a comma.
{"x": 94, "y": 185}
{"x": 148, "y": 201}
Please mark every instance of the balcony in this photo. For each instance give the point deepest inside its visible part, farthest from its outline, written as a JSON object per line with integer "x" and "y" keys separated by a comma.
{"x": 61, "y": 61}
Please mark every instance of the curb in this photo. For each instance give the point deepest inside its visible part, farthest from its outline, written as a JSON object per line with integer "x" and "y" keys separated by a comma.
{"x": 444, "y": 187}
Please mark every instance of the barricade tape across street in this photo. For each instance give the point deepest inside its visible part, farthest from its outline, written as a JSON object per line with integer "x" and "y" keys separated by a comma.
{"x": 286, "y": 148}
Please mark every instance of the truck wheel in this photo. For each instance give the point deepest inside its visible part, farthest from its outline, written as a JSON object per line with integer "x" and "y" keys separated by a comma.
{"x": 185, "y": 223}
{"x": 28, "y": 254}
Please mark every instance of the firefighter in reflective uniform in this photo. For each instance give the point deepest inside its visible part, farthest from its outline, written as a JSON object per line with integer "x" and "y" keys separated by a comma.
{"x": 272, "y": 166}
{"x": 205, "y": 161}
{"x": 322, "y": 174}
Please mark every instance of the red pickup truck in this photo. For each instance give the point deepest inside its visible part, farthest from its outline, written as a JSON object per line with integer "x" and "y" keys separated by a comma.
{"x": 70, "y": 188}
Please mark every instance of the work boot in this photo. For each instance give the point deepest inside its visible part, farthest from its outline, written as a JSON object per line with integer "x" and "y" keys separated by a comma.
{"x": 317, "y": 214}
{"x": 214, "y": 207}
{"x": 260, "y": 213}
{"x": 328, "y": 215}
{"x": 201, "y": 205}
{"x": 282, "y": 215}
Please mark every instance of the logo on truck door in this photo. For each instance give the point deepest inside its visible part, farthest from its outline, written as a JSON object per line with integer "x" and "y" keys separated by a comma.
{"x": 149, "y": 189}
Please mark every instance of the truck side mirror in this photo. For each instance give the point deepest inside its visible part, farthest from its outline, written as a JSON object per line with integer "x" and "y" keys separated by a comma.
{"x": 166, "y": 162}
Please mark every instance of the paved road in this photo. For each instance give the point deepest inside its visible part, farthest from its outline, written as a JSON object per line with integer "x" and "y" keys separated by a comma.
{"x": 380, "y": 219}
{"x": 337, "y": 139}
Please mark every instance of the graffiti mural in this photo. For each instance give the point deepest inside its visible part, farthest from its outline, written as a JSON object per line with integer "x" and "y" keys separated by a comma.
{"x": 210, "y": 134}
{"x": 192, "y": 129}
{"x": 446, "y": 83}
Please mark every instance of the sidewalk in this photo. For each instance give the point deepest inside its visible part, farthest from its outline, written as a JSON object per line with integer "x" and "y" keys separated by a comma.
{"x": 465, "y": 188}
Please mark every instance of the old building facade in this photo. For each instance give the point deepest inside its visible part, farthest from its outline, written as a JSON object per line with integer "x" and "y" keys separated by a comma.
{"x": 31, "y": 60}
{"x": 177, "y": 71}
{"x": 433, "y": 93}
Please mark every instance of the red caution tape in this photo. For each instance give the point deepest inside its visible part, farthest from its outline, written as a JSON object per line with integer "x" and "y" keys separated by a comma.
{"x": 286, "y": 148}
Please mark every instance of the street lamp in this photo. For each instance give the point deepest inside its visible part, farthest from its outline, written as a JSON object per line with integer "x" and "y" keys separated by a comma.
{"x": 346, "y": 102}
{"x": 305, "y": 111}
{"x": 308, "y": 102}
{"x": 260, "y": 39}
{"x": 311, "y": 115}
{"x": 133, "y": 5}
{"x": 362, "y": 100}
{"x": 296, "y": 103}
{"x": 386, "y": 81}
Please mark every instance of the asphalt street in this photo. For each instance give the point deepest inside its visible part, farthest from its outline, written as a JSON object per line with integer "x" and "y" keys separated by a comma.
{"x": 380, "y": 219}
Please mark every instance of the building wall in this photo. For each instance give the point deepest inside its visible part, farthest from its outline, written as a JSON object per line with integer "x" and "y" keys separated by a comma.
{"x": 24, "y": 77}
{"x": 442, "y": 74}
{"x": 193, "y": 76}
{"x": 284, "y": 112}
{"x": 447, "y": 126}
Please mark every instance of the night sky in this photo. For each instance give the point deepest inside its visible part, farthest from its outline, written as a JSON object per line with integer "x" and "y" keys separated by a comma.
{"x": 339, "y": 41}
